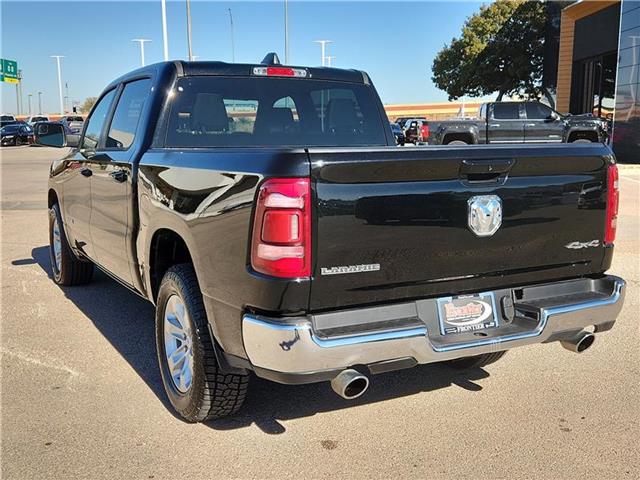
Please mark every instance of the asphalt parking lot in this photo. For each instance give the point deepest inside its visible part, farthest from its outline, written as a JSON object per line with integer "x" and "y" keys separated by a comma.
{"x": 82, "y": 397}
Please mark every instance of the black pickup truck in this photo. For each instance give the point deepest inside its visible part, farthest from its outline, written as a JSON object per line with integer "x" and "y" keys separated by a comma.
{"x": 266, "y": 212}
{"x": 519, "y": 122}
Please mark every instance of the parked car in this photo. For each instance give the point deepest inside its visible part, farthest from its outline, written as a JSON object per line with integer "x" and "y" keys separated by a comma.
{"x": 519, "y": 122}
{"x": 416, "y": 131}
{"x": 398, "y": 133}
{"x": 37, "y": 118}
{"x": 307, "y": 248}
{"x": 16, "y": 134}
{"x": 7, "y": 120}
{"x": 74, "y": 122}
{"x": 403, "y": 120}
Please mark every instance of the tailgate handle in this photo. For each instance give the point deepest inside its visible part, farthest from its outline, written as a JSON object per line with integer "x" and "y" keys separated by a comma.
{"x": 484, "y": 170}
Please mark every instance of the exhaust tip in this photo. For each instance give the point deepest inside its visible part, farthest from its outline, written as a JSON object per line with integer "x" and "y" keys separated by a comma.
{"x": 585, "y": 342}
{"x": 579, "y": 343}
{"x": 350, "y": 384}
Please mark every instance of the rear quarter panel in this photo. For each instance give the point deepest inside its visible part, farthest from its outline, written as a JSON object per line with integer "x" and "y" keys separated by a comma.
{"x": 206, "y": 196}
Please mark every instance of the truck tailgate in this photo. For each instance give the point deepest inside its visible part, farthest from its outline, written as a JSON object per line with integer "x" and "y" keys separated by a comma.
{"x": 392, "y": 223}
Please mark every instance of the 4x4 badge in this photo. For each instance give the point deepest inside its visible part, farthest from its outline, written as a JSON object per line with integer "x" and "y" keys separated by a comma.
{"x": 580, "y": 245}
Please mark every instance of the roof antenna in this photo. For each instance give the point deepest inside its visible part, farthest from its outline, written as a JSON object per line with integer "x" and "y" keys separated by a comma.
{"x": 271, "y": 58}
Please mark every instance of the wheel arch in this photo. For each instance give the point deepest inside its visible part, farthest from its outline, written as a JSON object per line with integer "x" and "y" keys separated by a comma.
{"x": 52, "y": 198}
{"x": 464, "y": 136}
{"x": 583, "y": 134}
{"x": 166, "y": 249}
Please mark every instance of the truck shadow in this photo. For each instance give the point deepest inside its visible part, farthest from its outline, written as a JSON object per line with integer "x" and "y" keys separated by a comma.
{"x": 127, "y": 322}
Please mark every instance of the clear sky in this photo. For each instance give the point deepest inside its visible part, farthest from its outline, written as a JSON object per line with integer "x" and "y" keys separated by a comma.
{"x": 395, "y": 42}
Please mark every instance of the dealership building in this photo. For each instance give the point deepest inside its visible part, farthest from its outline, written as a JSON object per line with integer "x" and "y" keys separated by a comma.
{"x": 598, "y": 67}
{"x": 626, "y": 134}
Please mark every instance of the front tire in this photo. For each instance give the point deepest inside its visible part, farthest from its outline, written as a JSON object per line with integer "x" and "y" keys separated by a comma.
{"x": 67, "y": 269}
{"x": 457, "y": 142}
{"x": 196, "y": 387}
{"x": 477, "y": 361}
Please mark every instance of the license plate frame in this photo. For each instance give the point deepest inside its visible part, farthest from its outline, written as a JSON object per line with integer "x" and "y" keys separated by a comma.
{"x": 467, "y": 313}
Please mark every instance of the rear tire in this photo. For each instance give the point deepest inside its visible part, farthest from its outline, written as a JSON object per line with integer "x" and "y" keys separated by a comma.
{"x": 477, "y": 361}
{"x": 457, "y": 142}
{"x": 67, "y": 269}
{"x": 582, "y": 140}
{"x": 196, "y": 387}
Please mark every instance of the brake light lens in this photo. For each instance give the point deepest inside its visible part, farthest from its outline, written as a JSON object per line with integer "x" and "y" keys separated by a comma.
{"x": 613, "y": 199}
{"x": 424, "y": 131}
{"x": 280, "y": 72}
{"x": 281, "y": 239}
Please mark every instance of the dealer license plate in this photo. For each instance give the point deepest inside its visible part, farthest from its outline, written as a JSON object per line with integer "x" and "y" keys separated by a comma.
{"x": 467, "y": 313}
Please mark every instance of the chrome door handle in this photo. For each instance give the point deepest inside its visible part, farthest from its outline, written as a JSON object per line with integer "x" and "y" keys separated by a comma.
{"x": 494, "y": 125}
{"x": 529, "y": 124}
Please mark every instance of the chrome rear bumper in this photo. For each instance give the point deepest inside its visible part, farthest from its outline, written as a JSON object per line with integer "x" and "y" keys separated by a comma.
{"x": 297, "y": 346}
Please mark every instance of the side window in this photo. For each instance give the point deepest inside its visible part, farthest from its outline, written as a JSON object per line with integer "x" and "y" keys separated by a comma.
{"x": 282, "y": 117}
{"x": 96, "y": 122}
{"x": 339, "y": 111}
{"x": 483, "y": 111}
{"x": 287, "y": 103}
{"x": 537, "y": 111}
{"x": 506, "y": 111}
{"x": 241, "y": 114}
{"x": 125, "y": 119}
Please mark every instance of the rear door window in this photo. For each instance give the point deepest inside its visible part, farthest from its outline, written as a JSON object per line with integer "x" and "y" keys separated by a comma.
{"x": 123, "y": 127}
{"x": 506, "y": 111}
{"x": 250, "y": 111}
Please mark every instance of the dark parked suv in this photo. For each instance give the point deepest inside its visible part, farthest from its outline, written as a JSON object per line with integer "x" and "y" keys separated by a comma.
{"x": 266, "y": 212}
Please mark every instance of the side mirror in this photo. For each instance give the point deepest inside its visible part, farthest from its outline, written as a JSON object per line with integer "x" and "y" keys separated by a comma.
{"x": 52, "y": 135}
{"x": 553, "y": 116}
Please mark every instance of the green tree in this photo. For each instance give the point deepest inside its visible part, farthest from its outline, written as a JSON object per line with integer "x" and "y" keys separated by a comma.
{"x": 501, "y": 49}
{"x": 88, "y": 104}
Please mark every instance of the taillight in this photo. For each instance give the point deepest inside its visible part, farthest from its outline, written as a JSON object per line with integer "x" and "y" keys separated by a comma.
{"x": 425, "y": 131}
{"x": 281, "y": 240}
{"x": 613, "y": 198}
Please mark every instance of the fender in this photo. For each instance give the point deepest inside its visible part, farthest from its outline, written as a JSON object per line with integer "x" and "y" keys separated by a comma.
{"x": 464, "y": 128}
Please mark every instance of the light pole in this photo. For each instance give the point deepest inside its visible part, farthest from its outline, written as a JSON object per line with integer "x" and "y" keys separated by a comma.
{"x": 165, "y": 41}
{"x": 141, "y": 41}
{"x": 189, "y": 30}
{"x": 58, "y": 57}
{"x": 286, "y": 32}
{"x": 19, "y": 93}
{"x": 39, "y": 103}
{"x": 233, "y": 47}
{"x": 29, "y": 100}
{"x": 323, "y": 44}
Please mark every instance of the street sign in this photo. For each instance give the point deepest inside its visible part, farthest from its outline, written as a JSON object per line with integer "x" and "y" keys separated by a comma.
{"x": 9, "y": 71}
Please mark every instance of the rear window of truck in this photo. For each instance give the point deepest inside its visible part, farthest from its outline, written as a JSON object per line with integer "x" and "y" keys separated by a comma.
{"x": 230, "y": 111}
